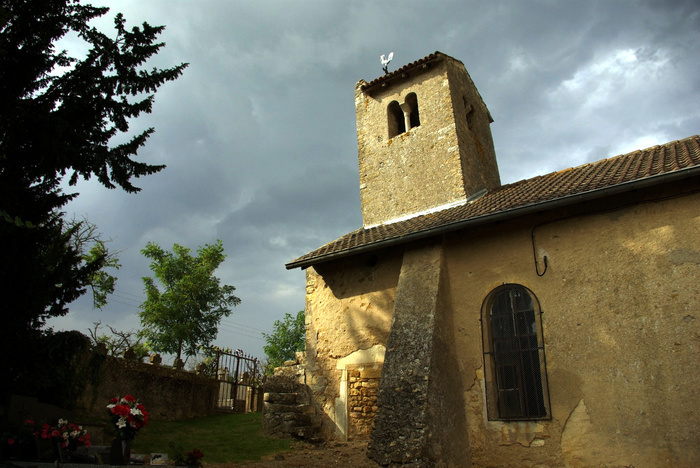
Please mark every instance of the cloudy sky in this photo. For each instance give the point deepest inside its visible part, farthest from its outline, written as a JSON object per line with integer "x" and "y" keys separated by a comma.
{"x": 259, "y": 133}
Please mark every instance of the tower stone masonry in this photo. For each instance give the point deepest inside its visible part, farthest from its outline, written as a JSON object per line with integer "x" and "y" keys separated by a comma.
{"x": 424, "y": 140}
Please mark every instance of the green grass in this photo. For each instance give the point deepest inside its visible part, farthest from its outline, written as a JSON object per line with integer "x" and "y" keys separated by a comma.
{"x": 225, "y": 438}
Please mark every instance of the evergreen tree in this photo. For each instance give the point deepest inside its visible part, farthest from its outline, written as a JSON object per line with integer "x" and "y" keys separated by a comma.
{"x": 58, "y": 115}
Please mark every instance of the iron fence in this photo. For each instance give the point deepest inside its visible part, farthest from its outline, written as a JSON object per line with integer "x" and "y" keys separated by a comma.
{"x": 240, "y": 386}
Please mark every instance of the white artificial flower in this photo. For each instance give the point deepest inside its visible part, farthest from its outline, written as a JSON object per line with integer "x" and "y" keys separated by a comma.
{"x": 62, "y": 422}
{"x": 136, "y": 412}
{"x": 121, "y": 423}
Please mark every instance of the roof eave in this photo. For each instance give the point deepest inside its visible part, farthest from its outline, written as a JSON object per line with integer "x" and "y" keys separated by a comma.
{"x": 402, "y": 72}
{"x": 504, "y": 215}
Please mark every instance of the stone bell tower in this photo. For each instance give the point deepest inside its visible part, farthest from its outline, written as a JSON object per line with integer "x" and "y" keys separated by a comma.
{"x": 424, "y": 141}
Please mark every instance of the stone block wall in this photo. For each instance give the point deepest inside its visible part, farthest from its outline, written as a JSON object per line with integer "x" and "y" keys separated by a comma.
{"x": 363, "y": 388}
{"x": 166, "y": 393}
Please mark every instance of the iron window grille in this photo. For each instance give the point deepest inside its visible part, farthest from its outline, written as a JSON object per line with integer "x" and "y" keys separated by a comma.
{"x": 514, "y": 358}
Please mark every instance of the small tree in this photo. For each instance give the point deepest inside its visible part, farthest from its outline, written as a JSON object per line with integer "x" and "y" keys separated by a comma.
{"x": 288, "y": 336}
{"x": 120, "y": 341}
{"x": 87, "y": 241}
{"x": 186, "y": 314}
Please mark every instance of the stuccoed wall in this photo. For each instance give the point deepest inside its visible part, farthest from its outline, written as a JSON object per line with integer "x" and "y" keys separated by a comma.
{"x": 621, "y": 330}
{"x": 620, "y": 319}
{"x": 349, "y": 306}
{"x": 166, "y": 393}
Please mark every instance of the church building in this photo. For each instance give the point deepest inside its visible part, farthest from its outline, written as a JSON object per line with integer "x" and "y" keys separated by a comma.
{"x": 554, "y": 321}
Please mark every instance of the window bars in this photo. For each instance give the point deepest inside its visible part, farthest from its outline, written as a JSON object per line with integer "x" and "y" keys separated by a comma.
{"x": 515, "y": 365}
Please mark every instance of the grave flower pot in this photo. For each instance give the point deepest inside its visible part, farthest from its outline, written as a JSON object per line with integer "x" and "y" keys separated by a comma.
{"x": 120, "y": 453}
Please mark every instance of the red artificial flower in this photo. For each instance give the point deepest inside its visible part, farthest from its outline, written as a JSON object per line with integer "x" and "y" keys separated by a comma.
{"x": 55, "y": 433}
{"x": 121, "y": 410}
{"x": 10, "y": 441}
{"x": 113, "y": 401}
{"x": 29, "y": 422}
{"x": 129, "y": 398}
{"x": 44, "y": 431}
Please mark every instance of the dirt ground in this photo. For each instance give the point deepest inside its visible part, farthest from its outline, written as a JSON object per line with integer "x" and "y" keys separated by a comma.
{"x": 346, "y": 454}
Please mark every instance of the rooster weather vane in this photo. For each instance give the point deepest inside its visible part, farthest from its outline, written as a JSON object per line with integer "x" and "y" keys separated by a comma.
{"x": 385, "y": 62}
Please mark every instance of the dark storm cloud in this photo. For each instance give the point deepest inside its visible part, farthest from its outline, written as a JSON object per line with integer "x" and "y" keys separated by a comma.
{"x": 259, "y": 133}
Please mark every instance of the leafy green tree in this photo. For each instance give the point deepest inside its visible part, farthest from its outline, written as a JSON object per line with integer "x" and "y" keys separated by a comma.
{"x": 288, "y": 336}
{"x": 58, "y": 119}
{"x": 186, "y": 313}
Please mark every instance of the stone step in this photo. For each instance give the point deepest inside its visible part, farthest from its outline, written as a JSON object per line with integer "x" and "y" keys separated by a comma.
{"x": 283, "y": 384}
{"x": 277, "y": 408}
{"x": 282, "y": 398}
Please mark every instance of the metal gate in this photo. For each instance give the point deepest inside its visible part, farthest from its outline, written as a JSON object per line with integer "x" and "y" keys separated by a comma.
{"x": 239, "y": 382}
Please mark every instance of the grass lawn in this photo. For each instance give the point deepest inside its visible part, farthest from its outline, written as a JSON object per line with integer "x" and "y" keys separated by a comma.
{"x": 222, "y": 438}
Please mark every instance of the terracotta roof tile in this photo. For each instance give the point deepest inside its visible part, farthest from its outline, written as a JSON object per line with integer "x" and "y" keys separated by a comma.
{"x": 402, "y": 70}
{"x": 509, "y": 200}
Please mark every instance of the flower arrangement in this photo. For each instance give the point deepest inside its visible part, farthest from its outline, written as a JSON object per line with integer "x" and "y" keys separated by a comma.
{"x": 128, "y": 416}
{"x": 189, "y": 459}
{"x": 18, "y": 441}
{"x": 68, "y": 434}
{"x": 192, "y": 458}
{"x": 24, "y": 432}
{"x": 30, "y": 440}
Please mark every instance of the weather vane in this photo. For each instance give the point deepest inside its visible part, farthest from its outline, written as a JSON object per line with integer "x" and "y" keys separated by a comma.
{"x": 385, "y": 62}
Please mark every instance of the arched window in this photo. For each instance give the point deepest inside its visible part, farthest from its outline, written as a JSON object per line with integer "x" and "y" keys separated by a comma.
{"x": 397, "y": 125}
{"x": 514, "y": 360}
{"x": 412, "y": 103}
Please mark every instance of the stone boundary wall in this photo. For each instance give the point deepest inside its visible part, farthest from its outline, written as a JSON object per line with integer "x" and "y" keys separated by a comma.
{"x": 167, "y": 393}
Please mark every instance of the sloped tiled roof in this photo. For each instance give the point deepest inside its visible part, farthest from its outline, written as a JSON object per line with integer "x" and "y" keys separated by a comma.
{"x": 653, "y": 165}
